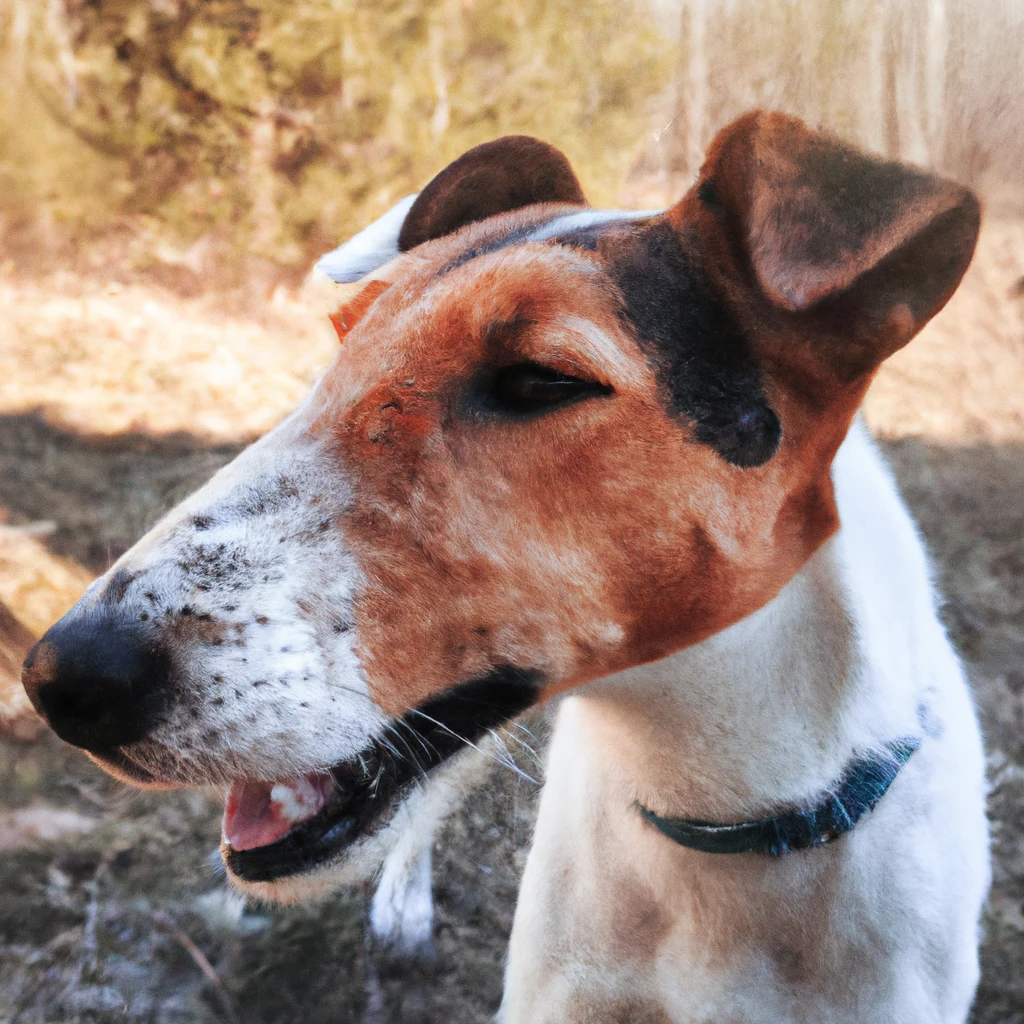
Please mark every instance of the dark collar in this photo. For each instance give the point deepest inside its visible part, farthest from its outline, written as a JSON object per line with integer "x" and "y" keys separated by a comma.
{"x": 837, "y": 810}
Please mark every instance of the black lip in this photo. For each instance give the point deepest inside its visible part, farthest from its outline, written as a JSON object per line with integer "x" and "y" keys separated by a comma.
{"x": 369, "y": 784}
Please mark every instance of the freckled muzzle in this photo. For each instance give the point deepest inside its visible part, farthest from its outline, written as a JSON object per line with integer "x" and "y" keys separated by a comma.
{"x": 103, "y": 682}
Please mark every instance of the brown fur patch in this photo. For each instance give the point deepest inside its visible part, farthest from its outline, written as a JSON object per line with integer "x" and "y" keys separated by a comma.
{"x": 186, "y": 627}
{"x": 352, "y": 312}
{"x": 493, "y": 178}
{"x": 586, "y": 540}
{"x": 604, "y": 534}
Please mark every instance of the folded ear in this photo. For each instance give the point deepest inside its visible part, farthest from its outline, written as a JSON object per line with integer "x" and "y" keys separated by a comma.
{"x": 507, "y": 174}
{"x": 875, "y": 247}
{"x": 496, "y": 177}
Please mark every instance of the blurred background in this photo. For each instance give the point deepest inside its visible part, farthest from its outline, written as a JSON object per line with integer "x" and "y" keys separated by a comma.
{"x": 169, "y": 172}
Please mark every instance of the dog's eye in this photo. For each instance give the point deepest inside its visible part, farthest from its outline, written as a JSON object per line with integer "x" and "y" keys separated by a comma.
{"x": 527, "y": 388}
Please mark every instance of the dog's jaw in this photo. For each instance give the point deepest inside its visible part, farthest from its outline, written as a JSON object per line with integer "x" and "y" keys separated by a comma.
{"x": 402, "y": 909}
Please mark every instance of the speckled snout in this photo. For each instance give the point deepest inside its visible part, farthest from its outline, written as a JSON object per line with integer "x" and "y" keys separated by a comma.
{"x": 221, "y": 645}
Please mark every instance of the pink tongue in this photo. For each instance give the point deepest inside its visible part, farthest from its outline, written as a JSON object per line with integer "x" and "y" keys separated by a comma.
{"x": 260, "y": 813}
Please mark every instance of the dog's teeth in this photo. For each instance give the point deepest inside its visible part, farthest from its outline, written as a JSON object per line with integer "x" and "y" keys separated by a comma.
{"x": 260, "y": 813}
{"x": 296, "y": 800}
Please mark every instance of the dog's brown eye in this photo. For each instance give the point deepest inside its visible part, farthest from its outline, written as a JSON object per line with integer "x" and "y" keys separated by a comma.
{"x": 527, "y": 388}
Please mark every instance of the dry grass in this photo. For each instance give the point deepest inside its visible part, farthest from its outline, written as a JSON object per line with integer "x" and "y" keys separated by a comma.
{"x": 962, "y": 380}
{"x": 108, "y": 358}
{"x": 15, "y": 641}
{"x": 39, "y": 585}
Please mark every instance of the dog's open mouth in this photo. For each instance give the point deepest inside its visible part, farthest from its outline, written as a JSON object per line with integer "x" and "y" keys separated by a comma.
{"x": 289, "y": 826}
{"x": 273, "y": 829}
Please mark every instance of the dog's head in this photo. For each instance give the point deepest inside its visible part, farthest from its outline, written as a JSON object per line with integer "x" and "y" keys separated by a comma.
{"x": 556, "y": 442}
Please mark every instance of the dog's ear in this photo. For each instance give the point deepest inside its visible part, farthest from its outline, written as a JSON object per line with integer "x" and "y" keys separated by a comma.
{"x": 866, "y": 250}
{"x": 369, "y": 250}
{"x": 507, "y": 174}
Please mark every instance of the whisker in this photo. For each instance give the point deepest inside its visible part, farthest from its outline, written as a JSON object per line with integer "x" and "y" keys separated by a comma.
{"x": 428, "y": 747}
{"x": 510, "y": 761}
{"x": 391, "y": 748}
{"x": 469, "y": 743}
{"x": 526, "y": 746}
{"x": 412, "y": 758}
{"x": 522, "y": 728}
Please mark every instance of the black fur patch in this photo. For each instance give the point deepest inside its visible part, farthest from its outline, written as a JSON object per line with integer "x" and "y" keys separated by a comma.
{"x": 505, "y": 241}
{"x": 703, "y": 360}
{"x": 708, "y": 195}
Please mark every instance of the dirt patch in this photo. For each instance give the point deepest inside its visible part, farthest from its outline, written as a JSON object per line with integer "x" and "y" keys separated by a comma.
{"x": 100, "y": 492}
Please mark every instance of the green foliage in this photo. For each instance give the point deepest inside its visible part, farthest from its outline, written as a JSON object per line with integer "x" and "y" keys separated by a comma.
{"x": 286, "y": 124}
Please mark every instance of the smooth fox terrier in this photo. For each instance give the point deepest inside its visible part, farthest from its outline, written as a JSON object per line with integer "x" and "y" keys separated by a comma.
{"x": 611, "y": 456}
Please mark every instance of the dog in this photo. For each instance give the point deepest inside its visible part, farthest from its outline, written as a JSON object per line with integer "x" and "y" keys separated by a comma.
{"x": 614, "y": 458}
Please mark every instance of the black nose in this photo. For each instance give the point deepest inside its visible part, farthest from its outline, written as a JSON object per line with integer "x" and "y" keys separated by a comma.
{"x": 98, "y": 681}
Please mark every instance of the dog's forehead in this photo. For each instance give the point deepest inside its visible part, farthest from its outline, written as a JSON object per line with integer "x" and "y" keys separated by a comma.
{"x": 624, "y": 298}
{"x": 444, "y": 297}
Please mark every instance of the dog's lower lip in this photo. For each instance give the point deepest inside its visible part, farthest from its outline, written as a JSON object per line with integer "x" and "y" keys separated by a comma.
{"x": 375, "y": 780}
{"x": 356, "y": 802}
{"x": 116, "y": 760}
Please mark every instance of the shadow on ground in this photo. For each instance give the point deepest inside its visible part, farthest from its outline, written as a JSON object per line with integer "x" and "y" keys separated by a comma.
{"x": 121, "y": 922}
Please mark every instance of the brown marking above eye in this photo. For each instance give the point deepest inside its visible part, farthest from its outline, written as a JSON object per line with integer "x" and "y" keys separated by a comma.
{"x": 352, "y": 312}
{"x": 517, "y": 384}
{"x": 502, "y": 333}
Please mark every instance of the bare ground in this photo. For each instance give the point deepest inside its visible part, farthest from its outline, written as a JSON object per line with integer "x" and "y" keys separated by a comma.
{"x": 111, "y": 905}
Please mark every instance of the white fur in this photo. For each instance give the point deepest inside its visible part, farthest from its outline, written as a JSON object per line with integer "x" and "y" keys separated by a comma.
{"x": 371, "y": 248}
{"x": 849, "y": 655}
{"x": 586, "y": 219}
{"x": 260, "y": 591}
{"x": 402, "y": 912}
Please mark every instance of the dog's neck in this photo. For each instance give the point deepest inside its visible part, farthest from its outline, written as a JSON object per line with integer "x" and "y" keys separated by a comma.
{"x": 769, "y": 712}
{"x": 849, "y": 657}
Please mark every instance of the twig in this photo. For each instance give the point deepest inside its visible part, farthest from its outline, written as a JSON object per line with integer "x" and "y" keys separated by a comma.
{"x": 165, "y": 924}
{"x": 40, "y": 528}
{"x": 90, "y": 946}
